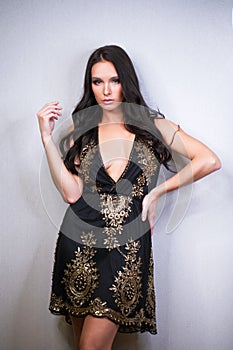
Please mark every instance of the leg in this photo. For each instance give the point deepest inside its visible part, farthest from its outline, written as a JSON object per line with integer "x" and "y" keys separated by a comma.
{"x": 77, "y": 325}
{"x": 97, "y": 334}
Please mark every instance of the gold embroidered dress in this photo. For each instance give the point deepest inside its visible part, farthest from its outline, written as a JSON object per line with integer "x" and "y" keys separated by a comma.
{"x": 103, "y": 260}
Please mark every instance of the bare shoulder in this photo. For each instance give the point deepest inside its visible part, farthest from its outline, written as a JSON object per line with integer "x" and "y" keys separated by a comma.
{"x": 167, "y": 129}
{"x": 181, "y": 142}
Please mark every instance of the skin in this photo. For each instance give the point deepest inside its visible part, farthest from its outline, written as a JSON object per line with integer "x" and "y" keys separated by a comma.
{"x": 98, "y": 333}
{"x": 107, "y": 89}
{"x": 115, "y": 141}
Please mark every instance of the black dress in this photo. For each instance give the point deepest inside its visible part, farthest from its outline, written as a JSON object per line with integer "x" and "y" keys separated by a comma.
{"x": 103, "y": 259}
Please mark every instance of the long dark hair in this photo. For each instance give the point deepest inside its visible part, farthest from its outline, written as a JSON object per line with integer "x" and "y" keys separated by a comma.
{"x": 138, "y": 117}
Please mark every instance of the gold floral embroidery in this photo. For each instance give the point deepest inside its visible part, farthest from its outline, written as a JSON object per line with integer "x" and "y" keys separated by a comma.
{"x": 88, "y": 239}
{"x": 150, "y": 301}
{"x": 99, "y": 308}
{"x": 127, "y": 287}
{"x": 56, "y": 303}
{"x": 147, "y": 159}
{"x": 115, "y": 210}
{"x": 80, "y": 277}
{"x": 86, "y": 158}
{"x": 138, "y": 188}
{"x": 111, "y": 240}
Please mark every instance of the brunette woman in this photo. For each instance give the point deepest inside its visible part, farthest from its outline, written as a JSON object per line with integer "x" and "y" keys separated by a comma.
{"x": 103, "y": 272}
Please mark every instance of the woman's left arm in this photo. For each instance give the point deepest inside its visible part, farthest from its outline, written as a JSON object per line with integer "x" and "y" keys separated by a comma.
{"x": 203, "y": 161}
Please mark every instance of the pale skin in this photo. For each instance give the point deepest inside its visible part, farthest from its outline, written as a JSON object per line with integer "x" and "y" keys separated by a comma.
{"x": 91, "y": 333}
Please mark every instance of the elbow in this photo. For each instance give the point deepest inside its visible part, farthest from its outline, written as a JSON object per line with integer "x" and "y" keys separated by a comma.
{"x": 72, "y": 195}
{"x": 214, "y": 163}
{"x": 71, "y": 199}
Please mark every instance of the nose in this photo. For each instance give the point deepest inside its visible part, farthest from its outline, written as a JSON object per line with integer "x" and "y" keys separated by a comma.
{"x": 107, "y": 90}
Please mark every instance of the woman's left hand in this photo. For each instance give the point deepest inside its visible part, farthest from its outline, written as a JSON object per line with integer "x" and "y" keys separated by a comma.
{"x": 149, "y": 204}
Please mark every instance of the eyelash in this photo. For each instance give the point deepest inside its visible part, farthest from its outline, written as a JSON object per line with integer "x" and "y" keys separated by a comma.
{"x": 116, "y": 80}
{"x": 97, "y": 81}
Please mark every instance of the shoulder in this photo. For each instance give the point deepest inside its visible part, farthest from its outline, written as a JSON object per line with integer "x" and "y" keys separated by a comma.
{"x": 167, "y": 128}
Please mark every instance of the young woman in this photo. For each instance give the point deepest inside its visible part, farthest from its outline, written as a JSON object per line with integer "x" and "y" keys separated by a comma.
{"x": 103, "y": 271}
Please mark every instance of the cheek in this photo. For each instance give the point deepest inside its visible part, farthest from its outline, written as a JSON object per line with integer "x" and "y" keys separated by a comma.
{"x": 119, "y": 91}
{"x": 95, "y": 91}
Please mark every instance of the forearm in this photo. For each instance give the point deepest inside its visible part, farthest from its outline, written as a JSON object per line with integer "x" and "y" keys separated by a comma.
{"x": 196, "y": 169}
{"x": 69, "y": 185}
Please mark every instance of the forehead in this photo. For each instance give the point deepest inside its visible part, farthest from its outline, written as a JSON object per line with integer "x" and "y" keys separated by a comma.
{"x": 103, "y": 69}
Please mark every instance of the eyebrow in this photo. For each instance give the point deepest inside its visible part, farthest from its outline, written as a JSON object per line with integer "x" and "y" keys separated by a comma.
{"x": 114, "y": 77}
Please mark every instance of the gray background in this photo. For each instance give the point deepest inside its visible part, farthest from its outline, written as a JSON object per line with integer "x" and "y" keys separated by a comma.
{"x": 182, "y": 51}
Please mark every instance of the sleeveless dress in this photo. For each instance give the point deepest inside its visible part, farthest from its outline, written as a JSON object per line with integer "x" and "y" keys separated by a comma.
{"x": 103, "y": 263}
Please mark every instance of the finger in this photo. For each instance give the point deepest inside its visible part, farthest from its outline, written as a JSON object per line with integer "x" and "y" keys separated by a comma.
{"x": 51, "y": 108}
{"x": 48, "y": 113}
{"x": 144, "y": 209}
{"x": 53, "y": 116}
{"x": 49, "y": 105}
{"x": 52, "y": 103}
{"x": 56, "y": 112}
{"x": 152, "y": 230}
{"x": 152, "y": 223}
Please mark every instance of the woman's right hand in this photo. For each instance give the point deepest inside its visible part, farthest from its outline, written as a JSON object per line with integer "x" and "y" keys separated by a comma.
{"x": 46, "y": 117}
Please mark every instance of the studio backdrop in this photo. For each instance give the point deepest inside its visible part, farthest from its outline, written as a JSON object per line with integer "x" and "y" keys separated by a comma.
{"x": 182, "y": 51}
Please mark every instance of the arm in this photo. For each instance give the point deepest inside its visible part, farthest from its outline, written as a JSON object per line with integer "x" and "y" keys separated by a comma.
{"x": 203, "y": 161}
{"x": 68, "y": 184}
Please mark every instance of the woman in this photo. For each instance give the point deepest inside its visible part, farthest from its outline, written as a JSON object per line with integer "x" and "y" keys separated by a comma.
{"x": 103, "y": 271}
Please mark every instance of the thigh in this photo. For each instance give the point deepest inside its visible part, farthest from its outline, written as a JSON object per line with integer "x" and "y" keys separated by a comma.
{"x": 98, "y": 333}
{"x": 77, "y": 325}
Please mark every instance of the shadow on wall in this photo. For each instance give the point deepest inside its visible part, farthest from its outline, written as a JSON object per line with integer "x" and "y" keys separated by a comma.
{"x": 126, "y": 342}
{"x": 66, "y": 331}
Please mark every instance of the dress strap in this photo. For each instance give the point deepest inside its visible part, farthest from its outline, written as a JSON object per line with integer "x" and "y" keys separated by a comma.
{"x": 178, "y": 129}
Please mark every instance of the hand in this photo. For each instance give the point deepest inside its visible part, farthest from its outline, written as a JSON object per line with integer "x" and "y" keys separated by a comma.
{"x": 46, "y": 118}
{"x": 149, "y": 208}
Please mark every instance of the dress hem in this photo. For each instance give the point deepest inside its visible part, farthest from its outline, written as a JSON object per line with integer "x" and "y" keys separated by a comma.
{"x": 138, "y": 324}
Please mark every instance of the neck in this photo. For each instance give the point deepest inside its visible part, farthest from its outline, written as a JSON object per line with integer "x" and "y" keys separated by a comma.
{"x": 114, "y": 116}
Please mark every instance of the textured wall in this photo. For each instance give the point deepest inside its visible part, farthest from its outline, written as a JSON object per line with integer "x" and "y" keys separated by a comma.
{"x": 183, "y": 54}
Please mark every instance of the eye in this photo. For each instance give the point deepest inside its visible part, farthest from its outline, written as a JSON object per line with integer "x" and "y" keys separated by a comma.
{"x": 96, "y": 81}
{"x": 116, "y": 80}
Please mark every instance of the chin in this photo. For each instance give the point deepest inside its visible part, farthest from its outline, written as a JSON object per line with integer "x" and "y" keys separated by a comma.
{"x": 110, "y": 107}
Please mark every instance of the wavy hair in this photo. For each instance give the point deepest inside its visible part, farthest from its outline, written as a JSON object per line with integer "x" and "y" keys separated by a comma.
{"x": 138, "y": 117}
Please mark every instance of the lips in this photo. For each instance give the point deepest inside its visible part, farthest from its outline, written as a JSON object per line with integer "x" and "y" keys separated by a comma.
{"x": 108, "y": 101}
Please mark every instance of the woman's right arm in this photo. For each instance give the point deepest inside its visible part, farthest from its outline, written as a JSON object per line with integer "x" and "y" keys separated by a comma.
{"x": 68, "y": 184}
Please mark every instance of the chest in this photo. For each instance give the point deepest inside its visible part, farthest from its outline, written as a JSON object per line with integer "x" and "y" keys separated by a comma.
{"x": 115, "y": 148}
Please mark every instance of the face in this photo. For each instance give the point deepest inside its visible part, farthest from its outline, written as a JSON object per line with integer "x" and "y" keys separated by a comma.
{"x": 106, "y": 85}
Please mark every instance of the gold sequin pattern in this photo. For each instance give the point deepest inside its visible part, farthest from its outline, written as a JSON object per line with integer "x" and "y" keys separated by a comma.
{"x": 86, "y": 158}
{"x": 115, "y": 210}
{"x": 147, "y": 160}
{"x": 150, "y": 300}
{"x": 127, "y": 285}
{"x": 99, "y": 308}
{"x": 81, "y": 276}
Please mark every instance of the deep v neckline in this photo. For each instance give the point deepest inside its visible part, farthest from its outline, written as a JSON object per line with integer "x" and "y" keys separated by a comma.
{"x": 102, "y": 162}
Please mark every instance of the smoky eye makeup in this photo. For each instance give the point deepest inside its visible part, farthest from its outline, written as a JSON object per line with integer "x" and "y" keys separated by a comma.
{"x": 96, "y": 81}
{"x": 115, "y": 80}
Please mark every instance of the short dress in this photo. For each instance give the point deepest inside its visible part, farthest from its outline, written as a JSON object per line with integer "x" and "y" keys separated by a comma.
{"x": 103, "y": 262}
